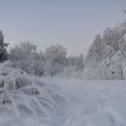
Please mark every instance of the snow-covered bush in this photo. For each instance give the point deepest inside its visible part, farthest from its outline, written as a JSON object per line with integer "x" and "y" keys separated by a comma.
{"x": 23, "y": 94}
{"x": 31, "y": 66}
{"x": 71, "y": 71}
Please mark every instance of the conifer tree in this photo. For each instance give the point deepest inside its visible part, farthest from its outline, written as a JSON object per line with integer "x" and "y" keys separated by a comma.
{"x": 3, "y": 48}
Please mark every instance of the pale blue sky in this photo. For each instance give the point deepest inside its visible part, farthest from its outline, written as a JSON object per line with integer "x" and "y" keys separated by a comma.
{"x": 71, "y": 23}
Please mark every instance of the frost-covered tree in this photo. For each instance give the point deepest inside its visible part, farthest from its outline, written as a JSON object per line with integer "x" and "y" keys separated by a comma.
{"x": 104, "y": 59}
{"x": 55, "y": 57}
{"x": 23, "y": 51}
{"x": 26, "y": 57}
{"x": 56, "y": 54}
{"x": 122, "y": 45}
{"x": 96, "y": 51}
{"x": 3, "y": 48}
{"x": 76, "y": 61}
{"x": 111, "y": 37}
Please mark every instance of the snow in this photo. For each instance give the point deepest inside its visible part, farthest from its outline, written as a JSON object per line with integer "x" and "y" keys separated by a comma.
{"x": 33, "y": 101}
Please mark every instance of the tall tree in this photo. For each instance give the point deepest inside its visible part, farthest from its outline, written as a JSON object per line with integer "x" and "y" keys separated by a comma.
{"x": 3, "y": 48}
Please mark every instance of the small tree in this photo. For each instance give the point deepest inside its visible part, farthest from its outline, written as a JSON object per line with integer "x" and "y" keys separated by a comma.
{"x": 56, "y": 54}
{"x": 3, "y": 48}
{"x": 55, "y": 57}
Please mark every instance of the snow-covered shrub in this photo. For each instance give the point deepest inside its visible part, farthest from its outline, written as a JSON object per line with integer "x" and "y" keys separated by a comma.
{"x": 71, "y": 71}
{"x": 23, "y": 94}
{"x": 31, "y": 66}
{"x": 110, "y": 68}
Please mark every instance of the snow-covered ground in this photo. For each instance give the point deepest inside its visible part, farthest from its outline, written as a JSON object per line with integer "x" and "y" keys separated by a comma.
{"x": 92, "y": 103}
{"x": 27, "y": 100}
{"x": 83, "y": 103}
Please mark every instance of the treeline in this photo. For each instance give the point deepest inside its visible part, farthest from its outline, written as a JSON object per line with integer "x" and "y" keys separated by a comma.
{"x": 53, "y": 61}
{"x": 106, "y": 58}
